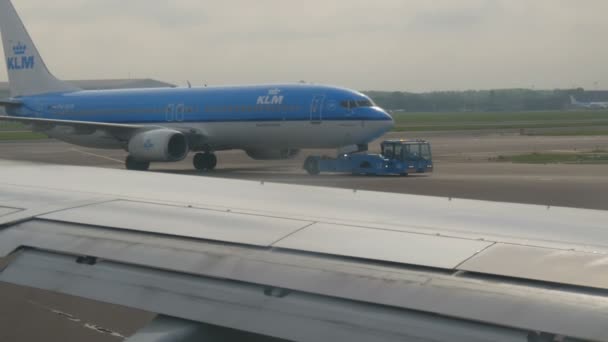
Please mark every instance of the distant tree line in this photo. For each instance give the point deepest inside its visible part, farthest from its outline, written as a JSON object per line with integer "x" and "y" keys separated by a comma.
{"x": 3, "y": 95}
{"x": 484, "y": 100}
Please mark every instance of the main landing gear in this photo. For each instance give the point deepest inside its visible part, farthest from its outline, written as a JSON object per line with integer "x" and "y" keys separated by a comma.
{"x": 311, "y": 165}
{"x": 204, "y": 161}
{"x": 133, "y": 164}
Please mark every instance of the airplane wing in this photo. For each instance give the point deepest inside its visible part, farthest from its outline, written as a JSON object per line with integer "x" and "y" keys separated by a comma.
{"x": 119, "y": 131}
{"x": 10, "y": 102}
{"x": 305, "y": 263}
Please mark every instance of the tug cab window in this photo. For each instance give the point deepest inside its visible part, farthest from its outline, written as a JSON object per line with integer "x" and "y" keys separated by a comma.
{"x": 425, "y": 151}
{"x": 398, "y": 154}
{"x": 388, "y": 151}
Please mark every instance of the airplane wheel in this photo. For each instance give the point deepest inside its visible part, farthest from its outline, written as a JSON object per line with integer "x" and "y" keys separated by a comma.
{"x": 204, "y": 161}
{"x": 132, "y": 164}
{"x": 311, "y": 165}
{"x": 365, "y": 165}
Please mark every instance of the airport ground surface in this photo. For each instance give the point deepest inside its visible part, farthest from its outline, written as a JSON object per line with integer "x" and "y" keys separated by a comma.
{"x": 463, "y": 170}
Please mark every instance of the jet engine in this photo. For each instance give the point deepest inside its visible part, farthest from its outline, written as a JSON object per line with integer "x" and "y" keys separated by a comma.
{"x": 162, "y": 144}
{"x": 272, "y": 154}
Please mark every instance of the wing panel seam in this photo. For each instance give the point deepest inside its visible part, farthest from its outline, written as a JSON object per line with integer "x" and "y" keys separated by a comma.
{"x": 474, "y": 255}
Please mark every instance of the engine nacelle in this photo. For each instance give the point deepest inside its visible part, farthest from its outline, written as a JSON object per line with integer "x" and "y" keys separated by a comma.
{"x": 161, "y": 144}
{"x": 272, "y": 154}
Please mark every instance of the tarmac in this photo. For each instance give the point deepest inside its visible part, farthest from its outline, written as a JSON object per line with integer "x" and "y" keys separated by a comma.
{"x": 463, "y": 169}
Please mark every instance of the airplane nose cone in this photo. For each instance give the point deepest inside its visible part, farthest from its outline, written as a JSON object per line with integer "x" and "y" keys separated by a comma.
{"x": 390, "y": 122}
{"x": 379, "y": 123}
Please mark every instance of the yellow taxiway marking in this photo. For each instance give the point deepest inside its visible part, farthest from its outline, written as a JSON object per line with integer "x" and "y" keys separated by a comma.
{"x": 97, "y": 155}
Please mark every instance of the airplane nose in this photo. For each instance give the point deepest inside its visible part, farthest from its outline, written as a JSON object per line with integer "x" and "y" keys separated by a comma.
{"x": 381, "y": 123}
{"x": 390, "y": 122}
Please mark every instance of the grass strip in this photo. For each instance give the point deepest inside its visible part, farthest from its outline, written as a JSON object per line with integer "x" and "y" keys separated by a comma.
{"x": 594, "y": 157}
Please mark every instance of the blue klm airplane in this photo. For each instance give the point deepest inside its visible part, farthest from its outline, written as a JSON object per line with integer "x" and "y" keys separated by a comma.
{"x": 164, "y": 125}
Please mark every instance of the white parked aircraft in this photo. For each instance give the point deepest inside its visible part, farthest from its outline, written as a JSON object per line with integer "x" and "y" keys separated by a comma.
{"x": 588, "y": 105}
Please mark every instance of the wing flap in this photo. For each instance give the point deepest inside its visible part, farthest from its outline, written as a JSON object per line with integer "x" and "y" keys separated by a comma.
{"x": 383, "y": 245}
{"x": 199, "y": 223}
{"x": 543, "y": 264}
{"x": 365, "y": 243}
{"x": 260, "y": 230}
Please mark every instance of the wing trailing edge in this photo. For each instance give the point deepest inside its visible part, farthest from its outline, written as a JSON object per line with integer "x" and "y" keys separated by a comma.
{"x": 10, "y": 102}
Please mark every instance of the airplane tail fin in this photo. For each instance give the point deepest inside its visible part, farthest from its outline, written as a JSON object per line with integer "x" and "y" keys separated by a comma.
{"x": 27, "y": 73}
{"x": 573, "y": 100}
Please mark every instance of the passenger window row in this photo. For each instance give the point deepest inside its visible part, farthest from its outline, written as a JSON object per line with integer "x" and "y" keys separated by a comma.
{"x": 252, "y": 109}
{"x": 187, "y": 109}
{"x": 98, "y": 111}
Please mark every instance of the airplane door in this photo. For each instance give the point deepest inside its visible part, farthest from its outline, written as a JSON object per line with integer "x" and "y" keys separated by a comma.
{"x": 179, "y": 112}
{"x": 170, "y": 113}
{"x": 316, "y": 109}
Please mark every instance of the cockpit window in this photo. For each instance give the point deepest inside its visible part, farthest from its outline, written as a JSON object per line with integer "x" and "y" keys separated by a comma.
{"x": 350, "y": 104}
{"x": 365, "y": 103}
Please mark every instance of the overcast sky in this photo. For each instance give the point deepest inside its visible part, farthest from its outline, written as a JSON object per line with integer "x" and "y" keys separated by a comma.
{"x": 411, "y": 45}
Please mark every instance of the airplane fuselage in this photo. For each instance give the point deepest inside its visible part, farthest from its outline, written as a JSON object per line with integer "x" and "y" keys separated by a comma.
{"x": 232, "y": 117}
{"x": 588, "y": 105}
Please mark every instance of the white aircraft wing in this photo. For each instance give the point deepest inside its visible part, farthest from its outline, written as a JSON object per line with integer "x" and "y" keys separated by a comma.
{"x": 10, "y": 102}
{"x": 305, "y": 263}
{"x": 122, "y": 132}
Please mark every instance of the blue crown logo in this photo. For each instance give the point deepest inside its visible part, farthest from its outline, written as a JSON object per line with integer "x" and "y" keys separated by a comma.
{"x": 19, "y": 48}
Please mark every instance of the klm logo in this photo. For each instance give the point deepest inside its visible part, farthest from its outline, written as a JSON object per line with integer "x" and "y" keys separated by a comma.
{"x": 274, "y": 97}
{"x": 16, "y": 63}
{"x": 148, "y": 145}
{"x": 20, "y": 61}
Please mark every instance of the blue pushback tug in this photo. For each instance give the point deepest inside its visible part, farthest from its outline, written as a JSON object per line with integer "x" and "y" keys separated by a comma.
{"x": 398, "y": 157}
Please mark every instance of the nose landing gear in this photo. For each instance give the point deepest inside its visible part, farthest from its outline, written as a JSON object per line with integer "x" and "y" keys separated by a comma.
{"x": 204, "y": 161}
